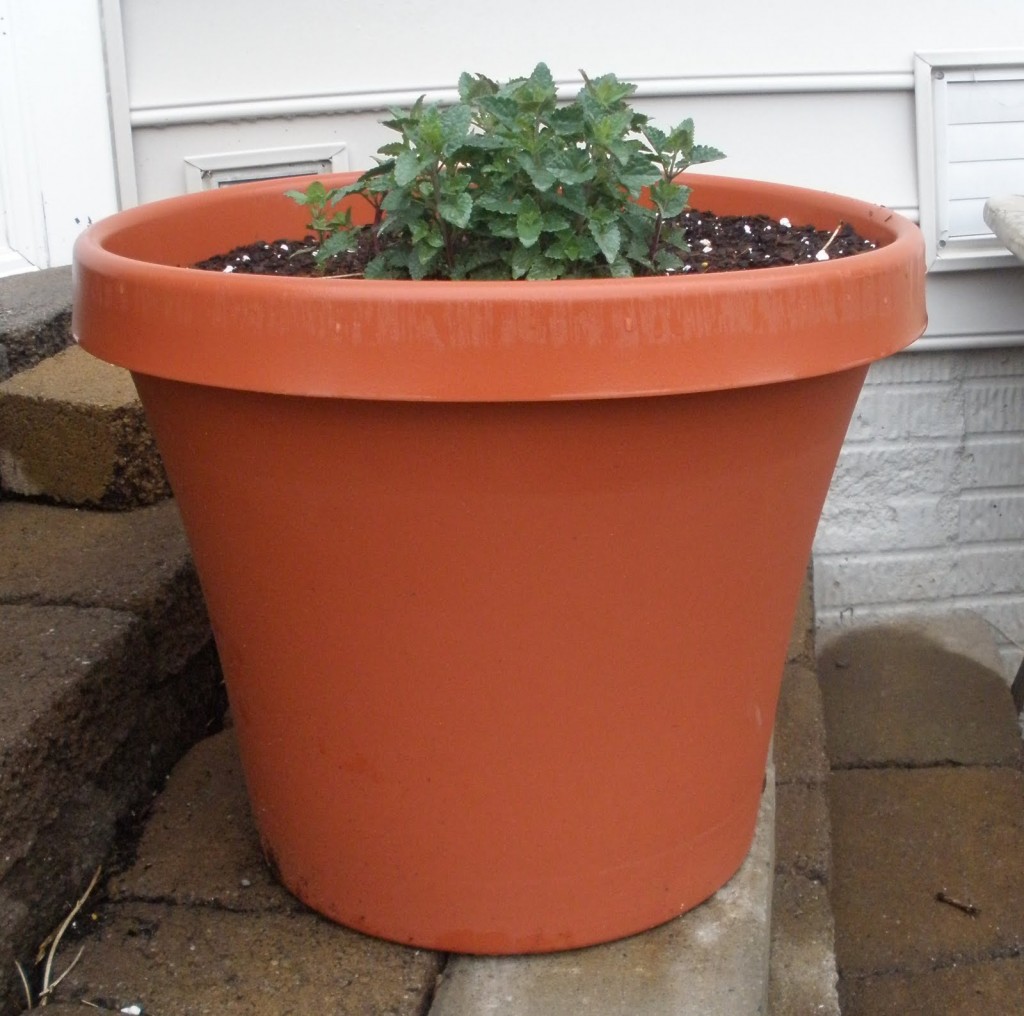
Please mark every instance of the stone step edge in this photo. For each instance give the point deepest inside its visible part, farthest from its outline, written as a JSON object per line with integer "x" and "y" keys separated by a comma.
{"x": 109, "y": 677}
{"x": 35, "y": 318}
{"x": 73, "y": 431}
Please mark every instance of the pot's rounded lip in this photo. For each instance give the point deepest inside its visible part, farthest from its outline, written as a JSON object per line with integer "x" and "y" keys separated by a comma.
{"x": 137, "y": 306}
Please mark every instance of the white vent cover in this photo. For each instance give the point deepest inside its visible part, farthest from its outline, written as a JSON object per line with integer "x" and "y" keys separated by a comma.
{"x": 208, "y": 172}
{"x": 970, "y": 147}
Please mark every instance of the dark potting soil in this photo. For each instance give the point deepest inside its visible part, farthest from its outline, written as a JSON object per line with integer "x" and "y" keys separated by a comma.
{"x": 717, "y": 243}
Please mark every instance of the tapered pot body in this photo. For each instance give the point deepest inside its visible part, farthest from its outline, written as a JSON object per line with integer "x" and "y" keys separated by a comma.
{"x": 501, "y": 575}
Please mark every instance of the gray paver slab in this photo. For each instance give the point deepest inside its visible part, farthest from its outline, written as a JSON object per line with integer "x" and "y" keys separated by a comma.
{"x": 53, "y": 661}
{"x": 135, "y": 561}
{"x": 803, "y": 968}
{"x": 712, "y": 960}
{"x": 899, "y": 837}
{"x": 894, "y": 696}
{"x": 802, "y": 832}
{"x": 992, "y": 988}
{"x": 201, "y": 961}
{"x": 800, "y": 729}
{"x": 72, "y": 429}
{"x": 44, "y": 654}
{"x": 801, "y": 639}
{"x": 199, "y": 845}
{"x": 1005, "y": 217}
{"x": 35, "y": 317}
{"x": 92, "y": 559}
{"x": 89, "y": 726}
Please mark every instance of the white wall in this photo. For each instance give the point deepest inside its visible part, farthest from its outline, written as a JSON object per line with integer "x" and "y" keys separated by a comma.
{"x": 56, "y": 164}
{"x": 814, "y": 93}
{"x": 927, "y": 511}
{"x": 306, "y": 48}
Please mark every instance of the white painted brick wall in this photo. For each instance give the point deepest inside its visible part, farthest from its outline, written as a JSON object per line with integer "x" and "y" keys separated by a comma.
{"x": 926, "y": 510}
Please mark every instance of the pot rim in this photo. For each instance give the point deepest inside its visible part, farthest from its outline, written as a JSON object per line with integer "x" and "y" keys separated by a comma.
{"x": 137, "y": 305}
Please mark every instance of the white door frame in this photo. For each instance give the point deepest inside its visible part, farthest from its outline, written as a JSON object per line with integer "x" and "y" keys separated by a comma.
{"x": 57, "y": 164}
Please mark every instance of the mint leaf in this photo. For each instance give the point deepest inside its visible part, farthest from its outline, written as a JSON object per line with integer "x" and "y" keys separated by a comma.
{"x": 608, "y": 237}
{"x": 456, "y": 209}
{"x": 541, "y": 178}
{"x": 529, "y": 222}
{"x": 407, "y": 167}
{"x": 455, "y": 124}
{"x": 669, "y": 198}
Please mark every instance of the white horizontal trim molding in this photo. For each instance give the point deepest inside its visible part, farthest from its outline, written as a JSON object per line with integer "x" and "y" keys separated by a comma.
{"x": 958, "y": 343}
{"x": 651, "y": 88}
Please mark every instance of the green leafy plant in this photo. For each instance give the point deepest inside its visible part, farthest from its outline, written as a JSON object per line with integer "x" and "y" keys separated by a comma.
{"x": 318, "y": 199}
{"x": 509, "y": 184}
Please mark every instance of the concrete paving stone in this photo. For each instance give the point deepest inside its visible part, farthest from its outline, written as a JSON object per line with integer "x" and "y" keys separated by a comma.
{"x": 990, "y": 988}
{"x": 72, "y": 430}
{"x": 202, "y": 961}
{"x": 961, "y": 632}
{"x": 894, "y": 697}
{"x": 200, "y": 845}
{"x": 802, "y": 831}
{"x": 92, "y": 826}
{"x": 1004, "y": 215}
{"x": 55, "y": 662}
{"x": 15, "y": 916}
{"x": 899, "y": 837}
{"x": 801, "y": 640}
{"x": 35, "y": 317}
{"x": 803, "y": 963}
{"x": 713, "y": 959}
{"x": 61, "y": 1009}
{"x": 85, "y": 734}
{"x": 800, "y": 728}
{"x": 135, "y": 561}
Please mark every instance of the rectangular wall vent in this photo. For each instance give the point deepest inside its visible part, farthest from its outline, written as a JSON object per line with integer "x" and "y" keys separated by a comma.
{"x": 222, "y": 169}
{"x": 970, "y": 147}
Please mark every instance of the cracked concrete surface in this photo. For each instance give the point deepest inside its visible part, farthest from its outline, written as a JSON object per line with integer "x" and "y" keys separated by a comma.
{"x": 926, "y": 803}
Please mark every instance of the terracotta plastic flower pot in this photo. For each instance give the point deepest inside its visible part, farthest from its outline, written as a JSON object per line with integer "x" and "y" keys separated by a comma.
{"x": 501, "y": 574}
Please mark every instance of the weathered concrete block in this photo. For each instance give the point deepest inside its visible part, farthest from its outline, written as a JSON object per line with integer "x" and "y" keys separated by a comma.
{"x": 72, "y": 429}
{"x": 899, "y": 837}
{"x": 803, "y": 971}
{"x": 896, "y": 695}
{"x": 801, "y": 639}
{"x": 91, "y": 724}
{"x": 802, "y": 841}
{"x": 51, "y": 660}
{"x": 800, "y": 728}
{"x": 107, "y": 674}
{"x": 135, "y": 561}
{"x": 200, "y": 846}
{"x": 198, "y": 925}
{"x": 35, "y": 318}
{"x": 198, "y": 960}
{"x": 985, "y": 988}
